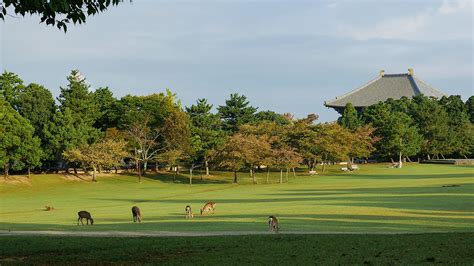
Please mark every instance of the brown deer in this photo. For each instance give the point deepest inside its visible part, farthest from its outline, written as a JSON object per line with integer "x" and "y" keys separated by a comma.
{"x": 209, "y": 207}
{"x": 84, "y": 215}
{"x": 273, "y": 224}
{"x": 137, "y": 215}
{"x": 188, "y": 212}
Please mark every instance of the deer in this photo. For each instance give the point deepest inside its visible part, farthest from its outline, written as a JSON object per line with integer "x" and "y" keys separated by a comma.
{"x": 137, "y": 215}
{"x": 273, "y": 224}
{"x": 209, "y": 207}
{"x": 85, "y": 215}
{"x": 188, "y": 212}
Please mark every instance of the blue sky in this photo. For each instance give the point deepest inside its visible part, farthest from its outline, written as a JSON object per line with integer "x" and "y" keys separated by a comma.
{"x": 287, "y": 56}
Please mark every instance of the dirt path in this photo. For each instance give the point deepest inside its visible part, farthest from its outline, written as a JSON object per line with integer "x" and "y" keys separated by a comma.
{"x": 182, "y": 234}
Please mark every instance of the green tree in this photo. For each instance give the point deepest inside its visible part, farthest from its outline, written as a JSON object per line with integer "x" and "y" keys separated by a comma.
{"x": 350, "y": 118}
{"x": 236, "y": 112}
{"x": 432, "y": 121}
{"x": 106, "y": 105}
{"x": 271, "y": 116}
{"x": 397, "y": 131}
{"x": 10, "y": 85}
{"x": 57, "y": 12}
{"x": 77, "y": 98}
{"x": 470, "y": 108}
{"x": 460, "y": 128}
{"x": 302, "y": 136}
{"x": 205, "y": 129}
{"x": 36, "y": 104}
{"x": 18, "y": 146}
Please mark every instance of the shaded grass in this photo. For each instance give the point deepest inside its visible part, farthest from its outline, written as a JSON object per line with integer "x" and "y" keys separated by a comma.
{"x": 451, "y": 249}
{"x": 416, "y": 198}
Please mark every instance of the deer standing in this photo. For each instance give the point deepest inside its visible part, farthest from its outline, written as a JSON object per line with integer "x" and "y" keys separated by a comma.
{"x": 273, "y": 224}
{"x": 137, "y": 215}
{"x": 209, "y": 207}
{"x": 189, "y": 212}
{"x": 84, "y": 215}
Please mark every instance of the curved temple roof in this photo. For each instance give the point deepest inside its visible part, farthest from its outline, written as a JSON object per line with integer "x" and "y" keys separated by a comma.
{"x": 383, "y": 87}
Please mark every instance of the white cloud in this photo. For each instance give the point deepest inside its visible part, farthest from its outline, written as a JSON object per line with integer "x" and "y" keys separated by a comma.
{"x": 451, "y": 21}
{"x": 453, "y": 6}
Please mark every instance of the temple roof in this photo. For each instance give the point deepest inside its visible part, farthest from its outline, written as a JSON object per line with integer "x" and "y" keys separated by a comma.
{"x": 383, "y": 87}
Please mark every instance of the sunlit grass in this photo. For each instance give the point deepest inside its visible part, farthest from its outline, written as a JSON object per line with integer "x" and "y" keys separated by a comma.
{"x": 416, "y": 198}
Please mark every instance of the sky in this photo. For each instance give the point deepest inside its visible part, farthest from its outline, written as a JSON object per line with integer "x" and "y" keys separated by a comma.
{"x": 285, "y": 56}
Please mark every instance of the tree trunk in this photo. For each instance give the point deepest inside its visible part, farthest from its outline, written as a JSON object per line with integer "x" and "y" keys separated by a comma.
{"x": 429, "y": 158}
{"x": 400, "y": 159}
{"x": 99, "y": 169}
{"x": 6, "y": 167}
{"x": 252, "y": 173}
{"x": 116, "y": 169}
{"x": 191, "y": 175}
{"x": 207, "y": 167}
{"x": 139, "y": 172}
{"x": 145, "y": 163}
{"x": 156, "y": 167}
{"x": 94, "y": 168}
{"x": 177, "y": 169}
{"x": 268, "y": 174}
{"x": 281, "y": 176}
{"x": 29, "y": 172}
{"x": 235, "y": 177}
{"x": 465, "y": 157}
{"x": 287, "y": 171}
{"x": 294, "y": 173}
{"x": 408, "y": 158}
{"x": 75, "y": 169}
{"x": 442, "y": 156}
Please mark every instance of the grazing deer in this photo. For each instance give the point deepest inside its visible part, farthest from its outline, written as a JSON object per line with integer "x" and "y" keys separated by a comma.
{"x": 273, "y": 224}
{"x": 209, "y": 207}
{"x": 189, "y": 212}
{"x": 137, "y": 215}
{"x": 85, "y": 215}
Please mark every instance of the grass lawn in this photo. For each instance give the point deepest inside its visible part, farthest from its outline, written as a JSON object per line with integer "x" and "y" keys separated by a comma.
{"x": 452, "y": 249}
{"x": 417, "y": 198}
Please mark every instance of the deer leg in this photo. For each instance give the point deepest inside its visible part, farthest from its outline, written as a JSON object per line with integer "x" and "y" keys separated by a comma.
{"x": 82, "y": 221}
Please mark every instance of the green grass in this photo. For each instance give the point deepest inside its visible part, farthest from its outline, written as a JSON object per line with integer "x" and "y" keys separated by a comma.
{"x": 373, "y": 199}
{"x": 450, "y": 249}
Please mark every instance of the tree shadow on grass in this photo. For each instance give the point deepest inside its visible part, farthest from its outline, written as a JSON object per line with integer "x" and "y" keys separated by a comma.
{"x": 167, "y": 177}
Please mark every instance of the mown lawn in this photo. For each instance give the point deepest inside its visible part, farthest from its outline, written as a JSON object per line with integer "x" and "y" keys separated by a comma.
{"x": 449, "y": 249}
{"x": 417, "y": 198}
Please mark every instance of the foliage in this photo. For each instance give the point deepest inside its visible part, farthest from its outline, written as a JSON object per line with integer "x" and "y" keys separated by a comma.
{"x": 106, "y": 153}
{"x": 10, "y": 85}
{"x": 271, "y": 116}
{"x": 106, "y": 105}
{"x": 18, "y": 145}
{"x": 205, "y": 130}
{"x": 57, "y": 12}
{"x": 236, "y": 112}
{"x": 350, "y": 118}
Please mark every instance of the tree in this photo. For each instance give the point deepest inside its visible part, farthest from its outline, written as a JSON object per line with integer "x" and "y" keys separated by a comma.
{"x": 302, "y": 136}
{"x": 470, "y": 108}
{"x": 36, "y": 103}
{"x": 240, "y": 151}
{"x": 106, "y": 105}
{"x": 397, "y": 131}
{"x": 459, "y": 126}
{"x": 106, "y": 153}
{"x": 271, "y": 116}
{"x": 284, "y": 157}
{"x": 432, "y": 122}
{"x": 350, "y": 118}
{"x": 144, "y": 142}
{"x": 205, "y": 129}
{"x": 10, "y": 85}
{"x": 77, "y": 97}
{"x": 18, "y": 146}
{"x": 236, "y": 112}
{"x": 362, "y": 142}
{"x": 57, "y": 12}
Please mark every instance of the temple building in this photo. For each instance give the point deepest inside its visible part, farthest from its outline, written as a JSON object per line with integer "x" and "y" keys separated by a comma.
{"x": 383, "y": 87}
